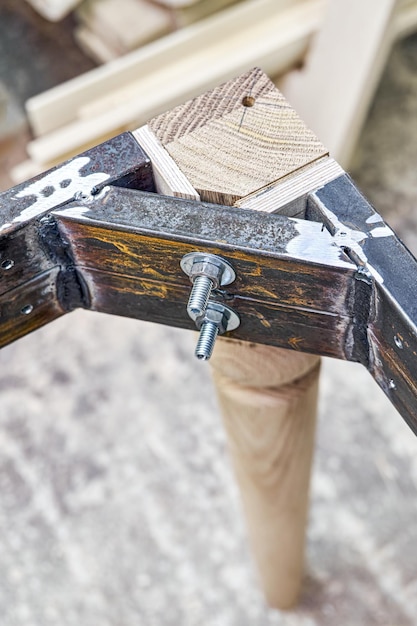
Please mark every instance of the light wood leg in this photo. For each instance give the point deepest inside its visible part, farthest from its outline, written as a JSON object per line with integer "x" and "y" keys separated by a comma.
{"x": 231, "y": 152}
{"x": 268, "y": 398}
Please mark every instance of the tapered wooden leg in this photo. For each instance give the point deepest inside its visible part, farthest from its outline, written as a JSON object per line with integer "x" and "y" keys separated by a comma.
{"x": 234, "y": 146}
{"x": 268, "y": 397}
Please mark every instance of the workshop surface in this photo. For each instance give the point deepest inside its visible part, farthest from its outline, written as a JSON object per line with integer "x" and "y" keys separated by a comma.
{"x": 117, "y": 502}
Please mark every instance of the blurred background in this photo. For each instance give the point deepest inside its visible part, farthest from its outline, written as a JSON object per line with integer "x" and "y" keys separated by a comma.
{"x": 117, "y": 502}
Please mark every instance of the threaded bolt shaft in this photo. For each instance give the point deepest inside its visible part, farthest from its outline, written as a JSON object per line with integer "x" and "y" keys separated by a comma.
{"x": 206, "y": 341}
{"x": 199, "y": 296}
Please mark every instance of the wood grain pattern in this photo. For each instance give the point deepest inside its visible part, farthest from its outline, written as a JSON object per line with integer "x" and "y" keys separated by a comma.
{"x": 288, "y": 196}
{"x": 169, "y": 179}
{"x": 250, "y": 138}
{"x": 268, "y": 400}
{"x": 236, "y": 141}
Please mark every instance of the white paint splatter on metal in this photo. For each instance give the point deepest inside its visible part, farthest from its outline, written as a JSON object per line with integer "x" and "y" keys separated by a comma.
{"x": 57, "y": 187}
{"x": 79, "y": 210}
{"x": 374, "y": 219}
{"x": 316, "y": 245}
{"x": 351, "y": 239}
{"x": 382, "y": 231}
{"x": 73, "y": 211}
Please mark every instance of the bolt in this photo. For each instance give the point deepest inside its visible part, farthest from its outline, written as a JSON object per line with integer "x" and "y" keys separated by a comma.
{"x": 217, "y": 319}
{"x": 206, "y": 272}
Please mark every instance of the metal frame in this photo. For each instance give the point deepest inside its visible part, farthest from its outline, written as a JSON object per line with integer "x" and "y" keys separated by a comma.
{"x": 93, "y": 233}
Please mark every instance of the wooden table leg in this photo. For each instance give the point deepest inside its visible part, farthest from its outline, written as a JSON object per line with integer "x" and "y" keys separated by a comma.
{"x": 235, "y": 145}
{"x": 268, "y": 398}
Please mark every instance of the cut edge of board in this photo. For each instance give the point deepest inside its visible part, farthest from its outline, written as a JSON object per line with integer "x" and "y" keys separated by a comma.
{"x": 169, "y": 179}
{"x": 288, "y": 195}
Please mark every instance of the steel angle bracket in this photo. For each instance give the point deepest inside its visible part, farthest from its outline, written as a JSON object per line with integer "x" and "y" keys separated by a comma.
{"x": 92, "y": 233}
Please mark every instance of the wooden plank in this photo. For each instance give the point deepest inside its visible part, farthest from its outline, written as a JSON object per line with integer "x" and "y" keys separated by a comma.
{"x": 292, "y": 24}
{"x": 54, "y": 10}
{"x": 185, "y": 15}
{"x": 270, "y": 33}
{"x": 25, "y": 170}
{"x": 94, "y": 46}
{"x": 333, "y": 92}
{"x": 169, "y": 179}
{"x": 289, "y": 195}
{"x": 123, "y": 25}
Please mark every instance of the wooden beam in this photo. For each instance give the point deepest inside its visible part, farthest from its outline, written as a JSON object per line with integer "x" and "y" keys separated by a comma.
{"x": 333, "y": 91}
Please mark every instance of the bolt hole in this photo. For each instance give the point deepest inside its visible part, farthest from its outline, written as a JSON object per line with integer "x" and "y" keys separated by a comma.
{"x": 27, "y": 310}
{"x": 398, "y": 342}
{"x": 248, "y": 101}
{"x": 7, "y": 264}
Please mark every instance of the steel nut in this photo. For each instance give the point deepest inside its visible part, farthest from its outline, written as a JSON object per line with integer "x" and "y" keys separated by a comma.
{"x": 208, "y": 269}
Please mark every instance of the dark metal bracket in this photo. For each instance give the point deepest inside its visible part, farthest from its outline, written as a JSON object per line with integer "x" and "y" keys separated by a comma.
{"x": 93, "y": 233}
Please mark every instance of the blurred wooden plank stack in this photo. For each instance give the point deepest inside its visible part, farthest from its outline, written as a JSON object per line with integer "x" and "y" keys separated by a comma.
{"x": 111, "y": 28}
{"x": 129, "y": 90}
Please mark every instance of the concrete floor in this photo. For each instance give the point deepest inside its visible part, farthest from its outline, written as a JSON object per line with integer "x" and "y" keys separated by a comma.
{"x": 117, "y": 501}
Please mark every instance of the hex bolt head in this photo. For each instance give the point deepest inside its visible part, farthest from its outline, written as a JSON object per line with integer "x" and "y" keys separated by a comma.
{"x": 217, "y": 319}
{"x": 206, "y": 272}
